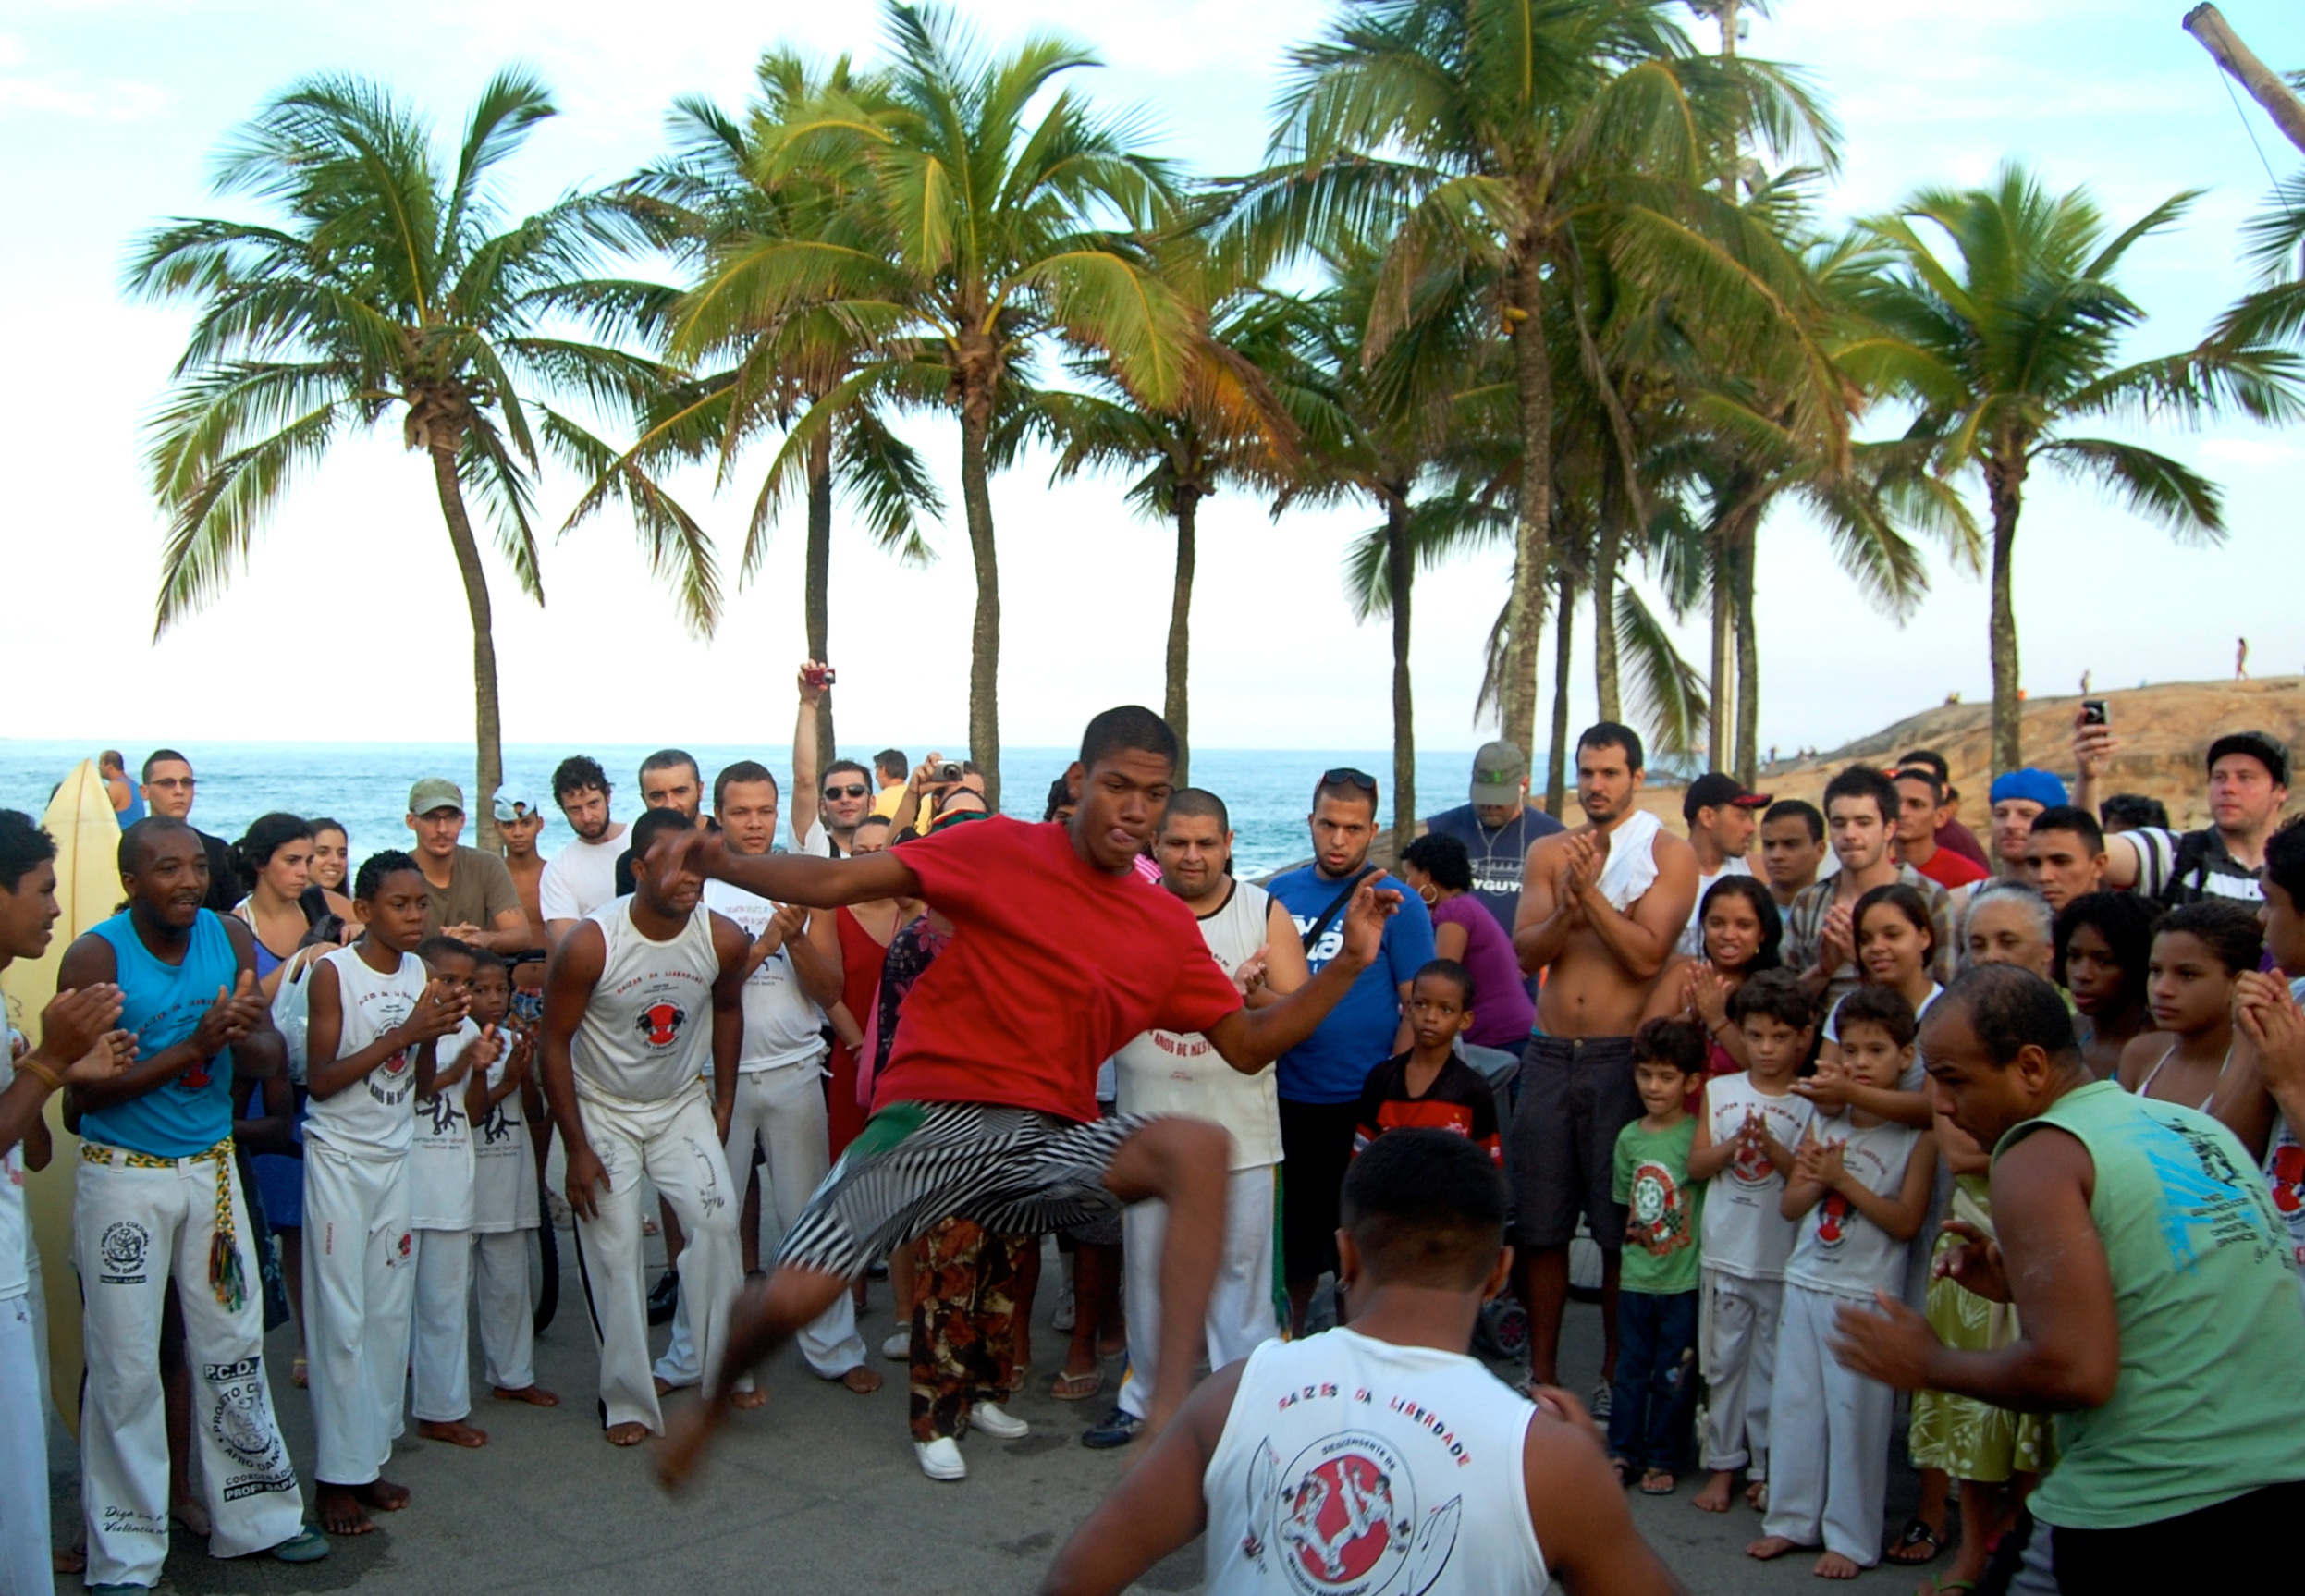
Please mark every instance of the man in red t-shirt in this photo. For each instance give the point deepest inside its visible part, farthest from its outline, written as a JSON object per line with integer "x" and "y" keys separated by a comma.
{"x": 1919, "y": 795}
{"x": 987, "y": 1108}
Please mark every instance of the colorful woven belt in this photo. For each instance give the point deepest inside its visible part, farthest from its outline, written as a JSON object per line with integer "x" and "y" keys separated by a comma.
{"x": 224, "y": 1277}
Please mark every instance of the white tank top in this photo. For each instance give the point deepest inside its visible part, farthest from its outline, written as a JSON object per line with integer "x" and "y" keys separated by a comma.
{"x": 781, "y": 1026}
{"x": 1351, "y": 1466}
{"x": 1744, "y": 1230}
{"x": 440, "y": 1158}
{"x": 1179, "y": 1073}
{"x": 646, "y": 1035}
{"x": 1839, "y": 1250}
{"x": 376, "y": 1116}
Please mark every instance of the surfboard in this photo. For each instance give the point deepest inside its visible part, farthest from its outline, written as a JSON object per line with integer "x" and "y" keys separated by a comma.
{"x": 79, "y": 817}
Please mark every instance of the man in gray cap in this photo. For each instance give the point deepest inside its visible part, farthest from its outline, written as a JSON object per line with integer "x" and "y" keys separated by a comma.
{"x": 1498, "y": 828}
{"x": 2249, "y": 782}
{"x": 471, "y": 893}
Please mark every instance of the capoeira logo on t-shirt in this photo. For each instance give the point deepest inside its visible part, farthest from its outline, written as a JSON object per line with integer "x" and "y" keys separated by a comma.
{"x": 1833, "y": 1221}
{"x": 440, "y": 1110}
{"x": 1656, "y": 1209}
{"x": 244, "y": 1428}
{"x": 121, "y": 1254}
{"x": 390, "y": 1082}
{"x": 660, "y": 1024}
{"x": 1342, "y": 1520}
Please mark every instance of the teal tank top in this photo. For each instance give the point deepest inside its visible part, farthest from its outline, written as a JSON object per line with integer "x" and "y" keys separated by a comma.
{"x": 2210, "y": 1403}
{"x": 162, "y": 1003}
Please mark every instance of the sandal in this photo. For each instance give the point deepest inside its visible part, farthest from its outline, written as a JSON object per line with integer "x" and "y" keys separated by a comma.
{"x": 300, "y": 1375}
{"x": 1915, "y": 1535}
{"x": 1077, "y": 1387}
{"x": 1657, "y": 1483}
{"x": 1947, "y": 1588}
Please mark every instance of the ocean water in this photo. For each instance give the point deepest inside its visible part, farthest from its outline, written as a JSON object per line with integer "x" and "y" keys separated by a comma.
{"x": 364, "y": 785}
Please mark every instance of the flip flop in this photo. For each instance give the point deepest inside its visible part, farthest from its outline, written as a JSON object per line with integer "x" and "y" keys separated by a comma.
{"x": 1915, "y": 1533}
{"x": 1077, "y": 1387}
{"x": 1657, "y": 1483}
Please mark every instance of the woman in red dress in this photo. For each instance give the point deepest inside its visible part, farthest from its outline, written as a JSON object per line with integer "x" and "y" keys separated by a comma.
{"x": 865, "y": 931}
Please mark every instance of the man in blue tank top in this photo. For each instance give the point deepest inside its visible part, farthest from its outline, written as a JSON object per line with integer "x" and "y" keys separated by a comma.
{"x": 156, "y": 1199}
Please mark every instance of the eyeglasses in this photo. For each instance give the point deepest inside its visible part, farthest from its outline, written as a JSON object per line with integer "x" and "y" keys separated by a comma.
{"x": 1345, "y": 776}
{"x": 187, "y": 782}
{"x": 853, "y": 791}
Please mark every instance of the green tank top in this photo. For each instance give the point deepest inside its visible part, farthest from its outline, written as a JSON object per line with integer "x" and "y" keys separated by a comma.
{"x": 2210, "y": 1403}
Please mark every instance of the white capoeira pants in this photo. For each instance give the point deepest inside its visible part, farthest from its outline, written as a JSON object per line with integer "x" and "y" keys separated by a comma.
{"x": 1736, "y": 1341}
{"x": 133, "y": 1228}
{"x": 676, "y": 1144}
{"x": 359, "y": 1293}
{"x": 1241, "y": 1316}
{"x": 441, "y": 1390}
{"x": 505, "y": 1311}
{"x": 782, "y": 1112}
{"x": 1829, "y": 1445}
{"x": 24, "y": 1566}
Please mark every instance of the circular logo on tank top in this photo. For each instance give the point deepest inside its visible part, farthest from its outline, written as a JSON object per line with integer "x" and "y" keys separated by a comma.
{"x": 660, "y": 1024}
{"x": 1345, "y": 1516}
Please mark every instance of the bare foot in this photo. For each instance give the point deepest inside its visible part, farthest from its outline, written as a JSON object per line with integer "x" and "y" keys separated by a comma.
{"x": 748, "y": 1400}
{"x": 664, "y": 1387}
{"x": 862, "y": 1379}
{"x": 1757, "y": 1496}
{"x": 1770, "y": 1546}
{"x": 340, "y": 1511}
{"x": 631, "y": 1434}
{"x": 454, "y": 1431}
{"x": 383, "y": 1495}
{"x": 1832, "y": 1566}
{"x": 1714, "y": 1497}
{"x": 69, "y": 1560}
{"x": 193, "y": 1515}
{"x": 534, "y": 1395}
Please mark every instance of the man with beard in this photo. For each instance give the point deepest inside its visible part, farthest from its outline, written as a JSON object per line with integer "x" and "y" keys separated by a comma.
{"x": 158, "y": 1199}
{"x": 1254, "y": 942}
{"x": 639, "y": 995}
{"x": 471, "y": 893}
{"x": 1498, "y": 828}
{"x": 581, "y": 877}
{"x": 1601, "y": 909}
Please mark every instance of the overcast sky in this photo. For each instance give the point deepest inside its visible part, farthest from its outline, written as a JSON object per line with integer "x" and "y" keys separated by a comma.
{"x": 349, "y": 623}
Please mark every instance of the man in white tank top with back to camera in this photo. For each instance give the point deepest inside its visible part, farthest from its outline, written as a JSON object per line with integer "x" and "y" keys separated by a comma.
{"x": 640, "y": 994}
{"x": 1381, "y": 1458}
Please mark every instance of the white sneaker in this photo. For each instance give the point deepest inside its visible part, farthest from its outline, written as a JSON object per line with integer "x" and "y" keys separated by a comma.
{"x": 897, "y": 1348}
{"x": 940, "y": 1458}
{"x": 1062, "y": 1318}
{"x": 996, "y": 1421}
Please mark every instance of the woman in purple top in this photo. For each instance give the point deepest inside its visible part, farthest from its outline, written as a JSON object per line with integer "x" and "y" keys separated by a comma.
{"x": 1439, "y": 871}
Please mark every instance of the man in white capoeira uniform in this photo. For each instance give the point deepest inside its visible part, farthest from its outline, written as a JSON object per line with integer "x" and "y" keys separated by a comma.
{"x": 1255, "y": 943}
{"x": 792, "y": 975}
{"x": 638, "y": 996}
{"x": 157, "y": 1198}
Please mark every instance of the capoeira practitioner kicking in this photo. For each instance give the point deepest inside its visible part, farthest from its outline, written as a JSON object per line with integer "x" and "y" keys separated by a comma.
{"x": 627, "y": 1000}
{"x": 157, "y": 1199}
{"x": 986, "y": 1109}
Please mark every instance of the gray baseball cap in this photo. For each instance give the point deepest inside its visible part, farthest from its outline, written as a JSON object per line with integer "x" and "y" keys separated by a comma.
{"x": 434, "y": 792}
{"x": 1498, "y": 771}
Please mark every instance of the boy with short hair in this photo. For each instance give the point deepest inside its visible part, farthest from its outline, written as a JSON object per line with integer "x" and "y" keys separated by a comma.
{"x": 1656, "y": 1381}
{"x": 1858, "y": 1193}
{"x": 1430, "y": 1085}
{"x": 1745, "y": 1137}
{"x": 504, "y": 1195}
{"x": 440, "y": 1201}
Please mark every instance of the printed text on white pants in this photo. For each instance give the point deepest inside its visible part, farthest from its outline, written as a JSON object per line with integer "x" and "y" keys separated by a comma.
{"x": 782, "y": 1112}
{"x": 360, "y": 1290}
{"x": 1828, "y": 1437}
{"x": 676, "y": 1143}
{"x": 1737, "y": 1351}
{"x": 132, "y": 1229}
{"x": 1241, "y": 1316}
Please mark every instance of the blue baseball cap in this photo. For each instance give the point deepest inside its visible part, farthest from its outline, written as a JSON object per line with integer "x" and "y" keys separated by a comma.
{"x": 2036, "y": 786}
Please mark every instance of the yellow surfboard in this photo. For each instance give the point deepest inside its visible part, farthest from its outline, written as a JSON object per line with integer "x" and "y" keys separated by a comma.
{"x": 88, "y": 888}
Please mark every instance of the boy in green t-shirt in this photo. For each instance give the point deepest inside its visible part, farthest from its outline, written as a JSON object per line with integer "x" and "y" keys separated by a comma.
{"x": 1655, "y": 1389}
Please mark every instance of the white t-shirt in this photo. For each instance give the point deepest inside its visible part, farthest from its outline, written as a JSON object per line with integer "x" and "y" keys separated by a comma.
{"x": 440, "y": 1156}
{"x": 15, "y": 1234}
{"x": 1173, "y": 1072}
{"x": 1744, "y": 1232}
{"x": 1693, "y": 934}
{"x": 781, "y": 1026}
{"x": 504, "y": 1169}
{"x": 581, "y": 877}
{"x": 816, "y": 841}
{"x": 1915, "y": 1074}
{"x": 1840, "y": 1251}
{"x": 376, "y": 1116}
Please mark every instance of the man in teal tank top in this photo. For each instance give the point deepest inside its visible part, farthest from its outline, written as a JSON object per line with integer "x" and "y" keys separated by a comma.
{"x": 2147, "y": 1263}
{"x": 156, "y": 1197}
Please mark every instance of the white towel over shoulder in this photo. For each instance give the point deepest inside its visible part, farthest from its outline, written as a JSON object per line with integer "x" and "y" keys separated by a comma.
{"x": 1631, "y": 866}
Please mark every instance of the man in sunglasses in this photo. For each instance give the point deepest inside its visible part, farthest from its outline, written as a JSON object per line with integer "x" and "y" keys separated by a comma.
{"x": 168, "y": 787}
{"x": 1320, "y": 1078}
{"x": 827, "y": 809}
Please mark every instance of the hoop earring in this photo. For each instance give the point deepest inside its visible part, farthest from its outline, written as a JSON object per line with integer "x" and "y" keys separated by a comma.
{"x": 1431, "y": 895}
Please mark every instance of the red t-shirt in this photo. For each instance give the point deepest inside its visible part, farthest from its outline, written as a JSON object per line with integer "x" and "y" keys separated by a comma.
{"x": 1053, "y": 965}
{"x": 1951, "y": 870}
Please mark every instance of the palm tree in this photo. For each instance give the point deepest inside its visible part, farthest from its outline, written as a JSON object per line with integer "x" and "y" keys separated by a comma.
{"x": 715, "y": 204}
{"x": 2003, "y": 346}
{"x": 1499, "y": 128}
{"x": 395, "y": 286}
{"x": 1002, "y": 216}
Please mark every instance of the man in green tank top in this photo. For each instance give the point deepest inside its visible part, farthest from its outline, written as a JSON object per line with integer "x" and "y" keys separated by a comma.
{"x": 2161, "y": 1326}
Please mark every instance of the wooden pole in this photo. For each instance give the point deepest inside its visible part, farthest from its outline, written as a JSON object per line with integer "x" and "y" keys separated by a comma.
{"x": 2207, "y": 24}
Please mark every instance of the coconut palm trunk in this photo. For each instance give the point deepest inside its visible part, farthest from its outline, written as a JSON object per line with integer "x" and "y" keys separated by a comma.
{"x": 1748, "y": 667}
{"x": 1556, "y": 777}
{"x": 1608, "y": 678}
{"x": 1175, "y": 707}
{"x": 1532, "y": 373}
{"x": 1400, "y": 573}
{"x": 984, "y": 664}
{"x": 487, "y": 729}
{"x": 817, "y": 581}
{"x": 2004, "y": 480}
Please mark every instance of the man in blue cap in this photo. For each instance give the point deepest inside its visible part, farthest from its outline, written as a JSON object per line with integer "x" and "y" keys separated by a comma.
{"x": 2017, "y": 797}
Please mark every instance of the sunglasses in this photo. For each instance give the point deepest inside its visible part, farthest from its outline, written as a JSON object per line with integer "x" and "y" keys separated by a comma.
{"x": 1345, "y": 776}
{"x": 856, "y": 791}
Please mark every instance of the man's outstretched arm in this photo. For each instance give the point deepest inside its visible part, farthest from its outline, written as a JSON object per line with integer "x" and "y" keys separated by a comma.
{"x": 1156, "y": 1508}
{"x": 795, "y": 877}
{"x": 1248, "y": 1040}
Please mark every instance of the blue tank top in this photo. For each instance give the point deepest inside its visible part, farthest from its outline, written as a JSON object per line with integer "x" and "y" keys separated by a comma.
{"x": 135, "y": 810}
{"x": 162, "y": 1003}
